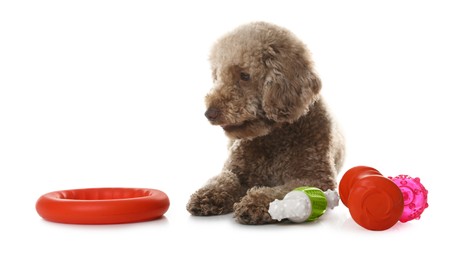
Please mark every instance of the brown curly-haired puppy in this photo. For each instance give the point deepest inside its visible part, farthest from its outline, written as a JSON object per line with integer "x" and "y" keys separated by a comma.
{"x": 266, "y": 98}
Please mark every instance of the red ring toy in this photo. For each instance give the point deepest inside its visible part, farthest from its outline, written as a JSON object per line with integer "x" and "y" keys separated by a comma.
{"x": 102, "y": 205}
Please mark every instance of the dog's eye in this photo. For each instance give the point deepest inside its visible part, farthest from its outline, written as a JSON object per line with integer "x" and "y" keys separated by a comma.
{"x": 245, "y": 76}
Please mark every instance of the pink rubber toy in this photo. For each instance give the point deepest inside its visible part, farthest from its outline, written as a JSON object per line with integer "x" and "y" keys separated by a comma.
{"x": 414, "y": 197}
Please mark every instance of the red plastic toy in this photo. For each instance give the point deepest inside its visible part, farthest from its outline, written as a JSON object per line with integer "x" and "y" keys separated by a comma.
{"x": 102, "y": 205}
{"x": 376, "y": 202}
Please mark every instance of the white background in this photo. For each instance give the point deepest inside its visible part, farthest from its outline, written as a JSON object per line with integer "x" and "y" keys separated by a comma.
{"x": 110, "y": 94}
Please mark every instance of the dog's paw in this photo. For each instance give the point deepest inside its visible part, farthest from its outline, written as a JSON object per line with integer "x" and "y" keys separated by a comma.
{"x": 253, "y": 210}
{"x": 207, "y": 202}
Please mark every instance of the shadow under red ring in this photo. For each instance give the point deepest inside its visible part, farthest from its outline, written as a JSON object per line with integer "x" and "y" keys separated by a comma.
{"x": 103, "y": 205}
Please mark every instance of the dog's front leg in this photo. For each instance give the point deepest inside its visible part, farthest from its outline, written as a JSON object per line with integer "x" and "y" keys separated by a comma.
{"x": 253, "y": 208}
{"x": 217, "y": 196}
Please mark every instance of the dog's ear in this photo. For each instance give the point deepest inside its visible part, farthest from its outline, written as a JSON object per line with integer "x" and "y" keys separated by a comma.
{"x": 290, "y": 86}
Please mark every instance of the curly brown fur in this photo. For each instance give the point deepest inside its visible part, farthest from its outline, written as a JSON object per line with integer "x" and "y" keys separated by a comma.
{"x": 266, "y": 98}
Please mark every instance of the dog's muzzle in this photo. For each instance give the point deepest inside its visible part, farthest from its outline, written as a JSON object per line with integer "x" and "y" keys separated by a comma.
{"x": 212, "y": 114}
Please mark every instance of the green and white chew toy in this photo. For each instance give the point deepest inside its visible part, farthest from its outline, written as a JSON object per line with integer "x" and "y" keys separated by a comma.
{"x": 303, "y": 204}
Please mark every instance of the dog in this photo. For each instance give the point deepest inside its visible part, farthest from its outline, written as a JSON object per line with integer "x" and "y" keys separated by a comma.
{"x": 266, "y": 97}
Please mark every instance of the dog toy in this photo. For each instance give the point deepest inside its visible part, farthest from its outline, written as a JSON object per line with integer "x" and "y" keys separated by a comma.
{"x": 303, "y": 204}
{"x": 376, "y": 202}
{"x": 102, "y": 205}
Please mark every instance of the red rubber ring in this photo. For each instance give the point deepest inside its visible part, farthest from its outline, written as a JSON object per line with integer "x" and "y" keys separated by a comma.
{"x": 102, "y": 205}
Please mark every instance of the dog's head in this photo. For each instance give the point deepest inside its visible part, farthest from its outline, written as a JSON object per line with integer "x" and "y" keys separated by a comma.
{"x": 263, "y": 76}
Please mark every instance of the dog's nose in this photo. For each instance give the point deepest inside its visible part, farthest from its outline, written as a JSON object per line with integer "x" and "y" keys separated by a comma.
{"x": 212, "y": 114}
